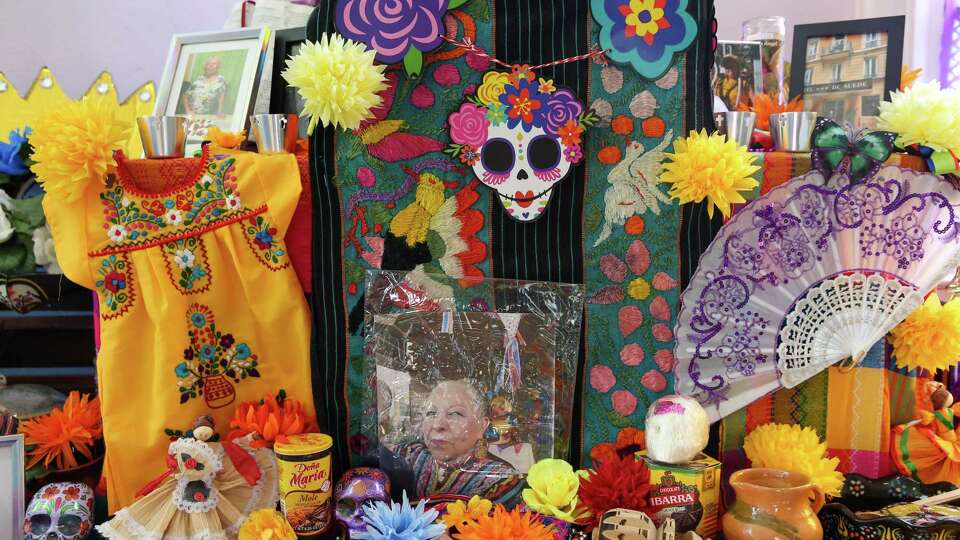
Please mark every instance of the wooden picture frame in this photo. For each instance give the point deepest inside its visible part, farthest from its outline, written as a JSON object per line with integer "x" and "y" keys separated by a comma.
{"x": 283, "y": 97}
{"x": 11, "y": 486}
{"x": 836, "y": 67}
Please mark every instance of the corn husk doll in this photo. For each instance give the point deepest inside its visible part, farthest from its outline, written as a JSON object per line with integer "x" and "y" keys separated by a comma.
{"x": 206, "y": 493}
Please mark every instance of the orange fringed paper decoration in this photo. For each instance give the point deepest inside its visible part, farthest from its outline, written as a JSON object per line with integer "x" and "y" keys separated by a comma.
{"x": 226, "y": 139}
{"x": 629, "y": 441}
{"x": 271, "y": 419}
{"x": 504, "y": 525}
{"x": 766, "y": 104}
{"x": 55, "y": 436}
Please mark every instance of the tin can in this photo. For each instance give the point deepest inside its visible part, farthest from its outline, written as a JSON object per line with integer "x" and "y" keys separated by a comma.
{"x": 306, "y": 490}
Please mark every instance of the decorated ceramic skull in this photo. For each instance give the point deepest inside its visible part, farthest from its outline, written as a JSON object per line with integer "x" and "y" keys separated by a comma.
{"x": 521, "y": 135}
{"x": 356, "y": 488}
{"x": 62, "y": 511}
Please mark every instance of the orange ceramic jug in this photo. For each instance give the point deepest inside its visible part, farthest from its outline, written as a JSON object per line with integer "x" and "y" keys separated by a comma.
{"x": 773, "y": 504}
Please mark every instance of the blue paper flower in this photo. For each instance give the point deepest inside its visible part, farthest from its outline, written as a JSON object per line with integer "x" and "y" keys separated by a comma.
{"x": 10, "y": 162}
{"x": 400, "y": 521}
{"x": 644, "y": 33}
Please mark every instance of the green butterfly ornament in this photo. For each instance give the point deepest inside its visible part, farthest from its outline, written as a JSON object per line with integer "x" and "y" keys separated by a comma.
{"x": 856, "y": 153}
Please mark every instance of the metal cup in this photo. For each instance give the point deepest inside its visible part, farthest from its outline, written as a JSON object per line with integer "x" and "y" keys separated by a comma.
{"x": 163, "y": 136}
{"x": 738, "y": 126}
{"x": 269, "y": 131}
{"x": 792, "y": 131}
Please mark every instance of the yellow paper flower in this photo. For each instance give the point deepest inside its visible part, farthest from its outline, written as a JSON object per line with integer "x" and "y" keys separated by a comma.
{"x": 638, "y": 289}
{"x": 928, "y": 338}
{"x": 493, "y": 84}
{"x": 796, "y": 449}
{"x": 709, "y": 167}
{"x": 553, "y": 489}
{"x": 338, "y": 81}
{"x": 226, "y": 139}
{"x": 73, "y": 144}
{"x": 924, "y": 114}
{"x": 266, "y": 524}
{"x": 458, "y": 515}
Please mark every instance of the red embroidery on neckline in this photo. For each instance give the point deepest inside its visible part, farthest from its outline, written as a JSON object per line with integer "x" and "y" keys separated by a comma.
{"x": 129, "y": 185}
{"x": 210, "y": 225}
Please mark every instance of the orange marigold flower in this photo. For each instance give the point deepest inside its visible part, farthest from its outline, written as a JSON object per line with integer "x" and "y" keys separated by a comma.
{"x": 57, "y": 437}
{"x": 634, "y": 225}
{"x": 274, "y": 418}
{"x": 570, "y": 133}
{"x": 653, "y": 127}
{"x": 609, "y": 155}
{"x": 504, "y": 525}
{"x": 622, "y": 125}
{"x": 766, "y": 104}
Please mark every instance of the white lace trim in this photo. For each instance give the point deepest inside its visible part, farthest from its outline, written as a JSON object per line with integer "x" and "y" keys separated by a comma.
{"x": 107, "y": 531}
{"x": 201, "y": 451}
{"x": 195, "y": 507}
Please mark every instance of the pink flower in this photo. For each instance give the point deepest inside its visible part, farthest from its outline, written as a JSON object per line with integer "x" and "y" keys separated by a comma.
{"x": 654, "y": 381}
{"x": 446, "y": 75}
{"x": 573, "y": 154}
{"x": 664, "y": 359}
{"x": 469, "y": 89}
{"x": 632, "y": 355}
{"x": 662, "y": 333}
{"x": 366, "y": 177}
{"x": 624, "y": 402}
{"x": 422, "y": 97}
{"x": 602, "y": 379}
{"x": 469, "y": 125}
{"x": 478, "y": 62}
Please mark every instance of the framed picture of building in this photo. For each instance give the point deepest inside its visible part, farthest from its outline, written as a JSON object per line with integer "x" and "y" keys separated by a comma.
{"x": 843, "y": 70}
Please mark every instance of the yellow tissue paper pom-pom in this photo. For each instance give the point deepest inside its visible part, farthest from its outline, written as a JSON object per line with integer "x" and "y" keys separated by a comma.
{"x": 923, "y": 114}
{"x": 928, "y": 338}
{"x": 73, "y": 145}
{"x": 226, "y": 139}
{"x": 338, "y": 81}
{"x": 709, "y": 167}
{"x": 796, "y": 449}
{"x": 266, "y": 524}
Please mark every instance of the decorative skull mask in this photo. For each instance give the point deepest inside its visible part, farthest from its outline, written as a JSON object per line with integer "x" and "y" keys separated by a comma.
{"x": 60, "y": 511}
{"x": 356, "y": 488}
{"x": 521, "y": 135}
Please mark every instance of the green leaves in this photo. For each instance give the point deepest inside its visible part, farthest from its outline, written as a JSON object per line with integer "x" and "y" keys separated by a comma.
{"x": 413, "y": 62}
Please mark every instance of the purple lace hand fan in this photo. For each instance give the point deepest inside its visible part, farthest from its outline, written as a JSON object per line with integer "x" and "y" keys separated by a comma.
{"x": 810, "y": 274}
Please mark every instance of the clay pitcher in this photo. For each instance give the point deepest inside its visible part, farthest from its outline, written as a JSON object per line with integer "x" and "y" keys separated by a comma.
{"x": 773, "y": 504}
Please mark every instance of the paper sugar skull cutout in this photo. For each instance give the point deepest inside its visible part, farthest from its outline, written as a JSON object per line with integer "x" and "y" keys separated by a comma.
{"x": 521, "y": 134}
{"x": 62, "y": 511}
{"x": 356, "y": 488}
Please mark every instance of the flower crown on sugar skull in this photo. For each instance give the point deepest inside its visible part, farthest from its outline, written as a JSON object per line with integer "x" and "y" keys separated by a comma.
{"x": 521, "y": 134}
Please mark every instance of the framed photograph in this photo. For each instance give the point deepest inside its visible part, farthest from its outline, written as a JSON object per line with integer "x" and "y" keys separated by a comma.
{"x": 212, "y": 78}
{"x": 11, "y": 487}
{"x": 845, "y": 69}
{"x": 738, "y": 72}
{"x": 284, "y": 98}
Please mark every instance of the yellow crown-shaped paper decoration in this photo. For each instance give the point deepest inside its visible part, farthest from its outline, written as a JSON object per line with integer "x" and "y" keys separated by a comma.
{"x": 45, "y": 94}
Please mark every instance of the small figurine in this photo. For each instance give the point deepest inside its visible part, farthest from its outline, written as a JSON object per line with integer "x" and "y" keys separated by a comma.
{"x": 354, "y": 490}
{"x": 62, "y": 511}
{"x": 928, "y": 449}
{"x": 208, "y": 490}
{"x": 677, "y": 429}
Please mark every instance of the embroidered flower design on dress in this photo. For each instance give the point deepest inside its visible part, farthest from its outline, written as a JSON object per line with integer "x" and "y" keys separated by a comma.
{"x": 644, "y": 33}
{"x": 264, "y": 239}
{"x": 138, "y": 220}
{"x": 213, "y": 362}
{"x": 115, "y": 286}
{"x": 187, "y": 265}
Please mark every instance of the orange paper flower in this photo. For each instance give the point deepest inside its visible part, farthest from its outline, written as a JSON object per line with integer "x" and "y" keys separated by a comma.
{"x": 273, "y": 418}
{"x": 629, "y": 441}
{"x": 504, "y": 525}
{"x": 766, "y": 104}
{"x": 56, "y": 436}
{"x": 226, "y": 139}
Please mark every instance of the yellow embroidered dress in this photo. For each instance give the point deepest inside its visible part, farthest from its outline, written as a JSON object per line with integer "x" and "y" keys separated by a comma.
{"x": 200, "y": 308}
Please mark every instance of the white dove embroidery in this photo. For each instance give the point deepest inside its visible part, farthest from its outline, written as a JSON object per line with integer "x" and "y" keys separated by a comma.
{"x": 633, "y": 186}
